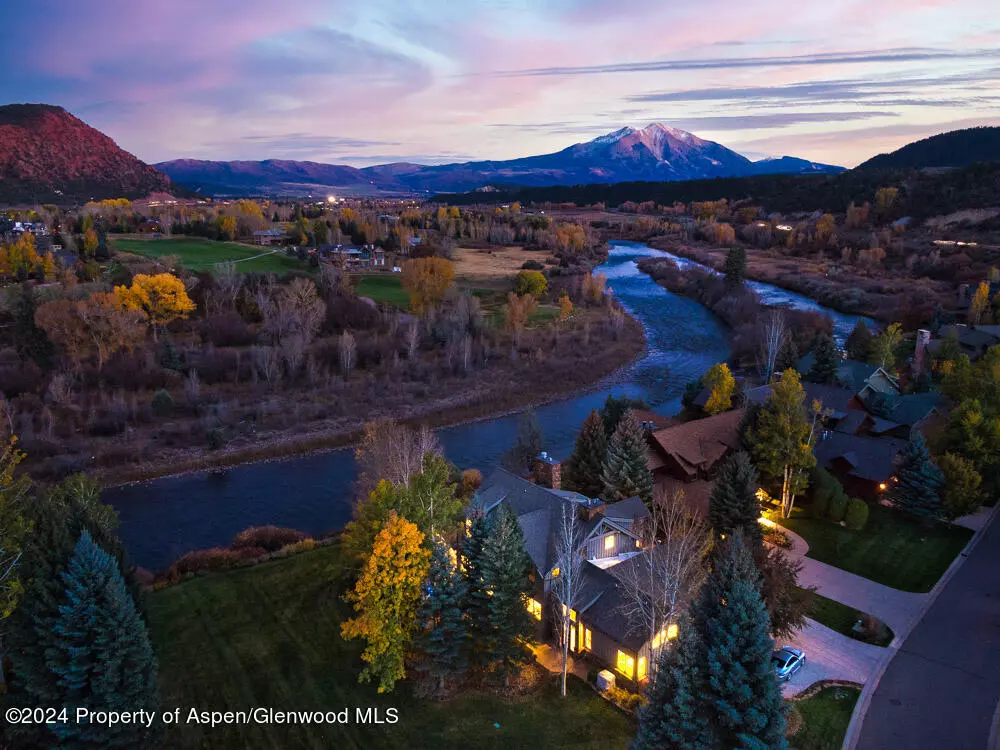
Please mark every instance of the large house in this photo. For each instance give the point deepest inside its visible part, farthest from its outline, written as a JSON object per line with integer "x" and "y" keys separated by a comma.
{"x": 972, "y": 340}
{"x": 611, "y": 538}
{"x": 268, "y": 236}
{"x": 352, "y": 257}
{"x": 859, "y": 377}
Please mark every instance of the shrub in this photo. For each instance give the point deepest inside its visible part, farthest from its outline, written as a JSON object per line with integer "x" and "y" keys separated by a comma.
{"x": 533, "y": 265}
{"x": 227, "y": 329}
{"x": 856, "y": 515}
{"x": 530, "y": 282}
{"x": 471, "y": 479}
{"x": 216, "y": 438}
{"x": 305, "y": 545}
{"x": 837, "y": 508}
{"x": 268, "y": 538}
{"x": 625, "y": 699}
{"x": 163, "y": 403}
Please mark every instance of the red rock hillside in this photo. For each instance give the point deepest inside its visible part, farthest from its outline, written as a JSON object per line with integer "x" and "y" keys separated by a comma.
{"x": 48, "y": 155}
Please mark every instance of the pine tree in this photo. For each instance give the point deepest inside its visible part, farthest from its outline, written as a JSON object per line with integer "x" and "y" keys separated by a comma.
{"x": 30, "y": 340}
{"x": 527, "y": 445}
{"x": 788, "y": 356}
{"x": 443, "y": 637}
{"x": 97, "y": 654}
{"x": 585, "y": 465}
{"x": 733, "y": 505}
{"x": 737, "y": 690}
{"x": 827, "y": 362}
{"x": 476, "y": 604}
{"x": 625, "y": 473}
{"x": 919, "y": 482}
{"x": 671, "y": 718}
{"x": 505, "y": 576}
{"x": 736, "y": 266}
{"x": 615, "y": 408}
{"x": 859, "y": 343}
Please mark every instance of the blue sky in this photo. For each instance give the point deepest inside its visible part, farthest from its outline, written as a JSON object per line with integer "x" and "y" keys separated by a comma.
{"x": 445, "y": 80}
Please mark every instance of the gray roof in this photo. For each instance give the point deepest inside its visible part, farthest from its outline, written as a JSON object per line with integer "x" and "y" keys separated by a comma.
{"x": 538, "y": 510}
{"x": 913, "y": 407}
{"x": 603, "y": 605}
{"x": 833, "y": 398}
{"x": 869, "y": 457}
{"x": 851, "y": 422}
{"x": 850, "y": 372}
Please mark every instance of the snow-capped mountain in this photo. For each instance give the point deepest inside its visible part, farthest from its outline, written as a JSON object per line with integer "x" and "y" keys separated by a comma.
{"x": 654, "y": 152}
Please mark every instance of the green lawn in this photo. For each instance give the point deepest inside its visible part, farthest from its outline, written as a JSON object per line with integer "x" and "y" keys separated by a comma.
{"x": 384, "y": 289}
{"x": 198, "y": 254}
{"x": 270, "y": 636}
{"x": 892, "y": 549}
{"x": 840, "y": 617}
{"x": 825, "y": 719}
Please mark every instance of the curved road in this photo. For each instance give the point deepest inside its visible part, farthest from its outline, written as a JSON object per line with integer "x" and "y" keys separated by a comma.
{"x": 942, "y": 687}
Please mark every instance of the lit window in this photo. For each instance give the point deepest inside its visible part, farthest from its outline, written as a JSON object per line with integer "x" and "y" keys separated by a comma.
{"x": 625, "y": 664}
{"x": 534, "y": 608}
{"x": 642, "y": 669}
{"x": 572, "y": 613}
{"x": 585, "y": 637}
{"x": 671, "y": 632}
{"x": 638, "y": 544}
{"x": 667, "y": 634}
{"x": 609, "y": 542}
{"x": 881, "y": 487}
{"x": 555, "y": 572}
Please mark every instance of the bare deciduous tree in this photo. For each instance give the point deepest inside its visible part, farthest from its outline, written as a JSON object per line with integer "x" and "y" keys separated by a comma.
{"x": 229, "y": 283}
{"x": 347, "y": 349}
{"x": 659, "y": 582}
{"x": 567, "y": 582}
{"x": 391, "y": 451}
{"x": 267, "y": 364}
{"x": 772, "y": 338}
{"x": 412, "y": 339}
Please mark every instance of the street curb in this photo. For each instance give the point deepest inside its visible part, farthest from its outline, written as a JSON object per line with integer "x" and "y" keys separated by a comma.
{"x": 853, "y": 733}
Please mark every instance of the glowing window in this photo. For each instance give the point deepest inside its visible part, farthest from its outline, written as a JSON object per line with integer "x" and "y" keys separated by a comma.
{"x": 572, "y": 613}
{"x": 671, "y": 632}
{"x": 625, "y": 664}
{"x": 642, "y": 669}
{"x": 584, "y": 637}
{"x": 555, "y": 572}
{"x": 534, "y": 608}
{"x": 638, "y": 544}
{"x": 609, "y": 542}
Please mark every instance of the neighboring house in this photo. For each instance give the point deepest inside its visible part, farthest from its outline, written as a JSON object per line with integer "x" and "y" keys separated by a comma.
{"x": 837, "y": 402}
{"x": 901, "y": 416}
{"x": 693, "y": 450}
{"x": 150, "y": 226}
{"x": 609, "y": 539}
{"x": 972, "y": 340}
{"x": 855, "y": 376}
{"x": 863, "y": 464}
{"x": 353, "y": 257}
{"x": 268, "y": 236}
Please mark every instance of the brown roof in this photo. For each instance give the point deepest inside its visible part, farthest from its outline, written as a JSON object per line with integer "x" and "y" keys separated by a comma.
{"x": 659, "y": 422}
{"x": 699, "y": 444}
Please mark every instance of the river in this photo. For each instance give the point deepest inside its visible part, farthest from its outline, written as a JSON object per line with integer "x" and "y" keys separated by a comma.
{"x": 164, "y": 518}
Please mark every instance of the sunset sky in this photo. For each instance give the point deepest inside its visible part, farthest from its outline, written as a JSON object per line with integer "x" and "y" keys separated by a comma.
{"x": 452, "y": 80}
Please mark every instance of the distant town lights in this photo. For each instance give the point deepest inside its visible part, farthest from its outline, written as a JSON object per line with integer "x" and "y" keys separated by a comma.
{"x": 331, "y": 199}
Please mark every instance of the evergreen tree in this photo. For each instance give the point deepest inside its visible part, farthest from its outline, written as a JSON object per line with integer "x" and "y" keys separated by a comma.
{"x": 625, "y": 473}
{"x": 505, "y": 576}
{"x": 615, "y": 408}
{"x": 584, "y": 466}
{"x": 97, "y": 655}
{"x": 30, "y": 340}
{"x": 788, "y": 356}
{"x": 827, "y": 362}
{"x": 443, "y": 637}
{"x": 717, "y": 689}
{"x": 527, "y": 445}
{"x": 477, "y": 600}
{"x": 919, "y": 482}
{"x": 860, "y": 343}
{"x": 169, "y": 358}
{"x": 671, "y": 718}
{"x": 733, "y": 505}
{"x": 736, "y": 266}
{"x": 737, "y": 690}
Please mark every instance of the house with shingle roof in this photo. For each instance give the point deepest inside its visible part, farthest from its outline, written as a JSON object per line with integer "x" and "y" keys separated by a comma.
{"x": 611, "y": 537}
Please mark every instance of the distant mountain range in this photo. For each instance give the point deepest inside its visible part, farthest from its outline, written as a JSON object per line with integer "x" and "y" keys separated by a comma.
{"x": 958, "y": 148}
{"x": 655, "y": 152}
{"x": 48, "y": 155}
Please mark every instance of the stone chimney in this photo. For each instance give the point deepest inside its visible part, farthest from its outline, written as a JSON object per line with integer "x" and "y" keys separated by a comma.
{"x": 547, "y": 471}
{"x": 920, "y": 352}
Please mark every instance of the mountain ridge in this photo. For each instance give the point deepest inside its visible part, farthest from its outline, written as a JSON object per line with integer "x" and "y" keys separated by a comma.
{"x": 955, "y": 148}
{"x": 654, "y": 152}
{"x": 49, "y": 155}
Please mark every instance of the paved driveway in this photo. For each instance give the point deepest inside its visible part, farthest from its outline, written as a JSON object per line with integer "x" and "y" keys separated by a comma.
{"x": 830, "y": 656}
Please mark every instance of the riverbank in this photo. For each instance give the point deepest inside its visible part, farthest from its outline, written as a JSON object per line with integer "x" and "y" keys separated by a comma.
{"x": 884, "y": 297}
{"x": 503, "y": 394}
{"x": 740, "y": 308}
